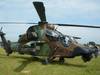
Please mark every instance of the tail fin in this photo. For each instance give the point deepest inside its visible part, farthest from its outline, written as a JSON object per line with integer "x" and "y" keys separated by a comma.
{"x": 6, "y": 44}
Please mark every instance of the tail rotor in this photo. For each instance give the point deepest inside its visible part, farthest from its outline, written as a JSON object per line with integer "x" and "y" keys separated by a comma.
{"x": 6, "y": 44}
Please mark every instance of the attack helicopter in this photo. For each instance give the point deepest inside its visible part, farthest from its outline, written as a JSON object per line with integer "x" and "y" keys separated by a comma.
{"x": 45, "y": 40}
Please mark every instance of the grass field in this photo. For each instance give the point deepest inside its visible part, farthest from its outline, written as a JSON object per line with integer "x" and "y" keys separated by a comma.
{"x": 17, "y": 64}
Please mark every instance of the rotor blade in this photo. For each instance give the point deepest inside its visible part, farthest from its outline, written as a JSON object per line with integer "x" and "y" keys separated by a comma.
{"x": 40, "y": 10}
{"x": 69, "y": 25}
{"x": 73, "y": 37}
{"x": 73, "y": 25}
{"x": 17, "y": 23}
{"x": 76, "y": 37}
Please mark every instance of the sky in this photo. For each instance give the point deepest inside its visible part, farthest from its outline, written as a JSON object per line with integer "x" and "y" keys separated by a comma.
{"x": 84, "y": 12}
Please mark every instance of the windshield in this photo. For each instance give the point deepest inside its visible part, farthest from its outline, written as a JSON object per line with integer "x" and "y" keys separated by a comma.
{"x": 52, "y": 33}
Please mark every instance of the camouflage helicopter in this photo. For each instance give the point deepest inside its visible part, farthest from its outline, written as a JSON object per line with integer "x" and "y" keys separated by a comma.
{"x": 45, "y": 40}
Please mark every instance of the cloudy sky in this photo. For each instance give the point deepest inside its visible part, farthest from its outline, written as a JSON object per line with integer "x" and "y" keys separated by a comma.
{"x": 84, "y": 12}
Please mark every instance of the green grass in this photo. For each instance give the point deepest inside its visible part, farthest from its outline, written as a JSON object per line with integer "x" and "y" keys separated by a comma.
{"x": 17, "y": 64}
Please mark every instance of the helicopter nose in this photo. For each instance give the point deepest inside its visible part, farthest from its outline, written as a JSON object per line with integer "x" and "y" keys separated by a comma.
{"x": 89, "y": 53}
{"x": 85, "y": 53}
{"x": 87, "y": 57}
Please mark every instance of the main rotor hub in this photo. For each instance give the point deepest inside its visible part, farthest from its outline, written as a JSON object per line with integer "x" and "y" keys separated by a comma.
{"x": 42, "y": 22}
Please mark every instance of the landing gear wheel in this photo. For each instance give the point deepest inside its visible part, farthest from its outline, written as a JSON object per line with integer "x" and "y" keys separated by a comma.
{"x": 61, "y": 60}
{"x": 45, "y": 61}
{"x": 8, "y": 53}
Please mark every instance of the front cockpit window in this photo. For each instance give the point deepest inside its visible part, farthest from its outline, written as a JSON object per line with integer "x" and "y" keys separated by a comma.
{"x": 52, "y": 33}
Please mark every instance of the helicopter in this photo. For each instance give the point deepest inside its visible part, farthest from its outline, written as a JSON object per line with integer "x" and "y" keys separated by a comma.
{"x": 45, "y": 40}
